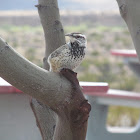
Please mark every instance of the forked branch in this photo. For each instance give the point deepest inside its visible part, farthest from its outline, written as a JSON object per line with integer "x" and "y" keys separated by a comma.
{"x": 31, "y": 79}
{"x": 59, "y": 91}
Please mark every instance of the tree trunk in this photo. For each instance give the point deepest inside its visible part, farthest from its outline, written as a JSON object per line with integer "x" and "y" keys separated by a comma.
{"x": 48, "y": 8}
{"x": 58, "y": 91}
{"x": 130, "y": 12}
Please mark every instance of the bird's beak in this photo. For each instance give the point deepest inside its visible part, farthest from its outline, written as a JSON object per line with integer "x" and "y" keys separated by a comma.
{"x": 67, "y": 34}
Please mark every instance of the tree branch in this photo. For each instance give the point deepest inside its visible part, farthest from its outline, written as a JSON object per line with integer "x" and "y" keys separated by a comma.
{"x": 49, "y": 10}
{"x": 73, "y": 115}
{"x": 63, "y": 95}
{"x": 45, "y": 119}
{"x": 32, "y": 79}
{"x": 54, "y": 33}
{"x": 60, "y": 92}
{"x": 129, "y": 10}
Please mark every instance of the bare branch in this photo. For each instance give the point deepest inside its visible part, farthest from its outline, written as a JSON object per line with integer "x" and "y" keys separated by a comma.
{"x": 61, "y": 92}
{"x": 63, "y": 95}
{"x": 54, "y": 37}
{"x": 32, "y": 79}
{"x": 45, "y": 119}
{"x": 53, "y": 30}
{"x": 130, "y": 12}
{"x": 73, "y": 115}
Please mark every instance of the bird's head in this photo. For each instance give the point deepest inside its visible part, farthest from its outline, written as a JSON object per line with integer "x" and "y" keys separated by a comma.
{"x": 77, "y": 37}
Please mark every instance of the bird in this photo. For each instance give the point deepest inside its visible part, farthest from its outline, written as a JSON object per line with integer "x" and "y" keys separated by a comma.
{"x": 69, "y": 55}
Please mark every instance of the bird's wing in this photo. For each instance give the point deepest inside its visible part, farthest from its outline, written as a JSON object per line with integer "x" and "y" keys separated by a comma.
{"x": 59, "y": 51}
{"x": 56, "y": 58}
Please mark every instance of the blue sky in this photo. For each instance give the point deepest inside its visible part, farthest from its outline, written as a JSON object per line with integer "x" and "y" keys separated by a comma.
{"x": 93, "y": 4}
{"x": 100, "y": 5}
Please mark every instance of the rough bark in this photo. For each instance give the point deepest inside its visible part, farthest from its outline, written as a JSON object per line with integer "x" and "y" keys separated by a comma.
{"x": 45, "y": 119}
{"x": 53, "y": 30}
{"x": 130, "y": 12}
{"x": 73, "y": 115}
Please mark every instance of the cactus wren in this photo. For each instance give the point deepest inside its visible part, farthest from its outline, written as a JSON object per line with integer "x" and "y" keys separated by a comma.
{"x": 69, "y": 55}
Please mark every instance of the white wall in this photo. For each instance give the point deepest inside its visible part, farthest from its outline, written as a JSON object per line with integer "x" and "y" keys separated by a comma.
{"x": 17, "y": 121}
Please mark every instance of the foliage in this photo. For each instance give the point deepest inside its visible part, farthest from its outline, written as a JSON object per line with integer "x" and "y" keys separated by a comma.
{"x": 79, "y": 28}
{"x": 123, "y": 116}
{"x": 98, "y": 66}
